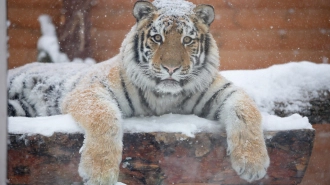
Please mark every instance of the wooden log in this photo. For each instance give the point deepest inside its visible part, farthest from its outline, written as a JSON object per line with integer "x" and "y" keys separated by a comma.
{"x": 318, "y": 110}
{"x": 157, "y": 159}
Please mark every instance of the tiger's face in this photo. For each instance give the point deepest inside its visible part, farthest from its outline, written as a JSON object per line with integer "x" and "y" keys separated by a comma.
{"x": 171, "y": 51}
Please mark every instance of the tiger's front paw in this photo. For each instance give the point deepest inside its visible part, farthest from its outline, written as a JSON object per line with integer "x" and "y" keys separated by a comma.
{"x": 100, "y": 166}
{"x": 250, "y": 162}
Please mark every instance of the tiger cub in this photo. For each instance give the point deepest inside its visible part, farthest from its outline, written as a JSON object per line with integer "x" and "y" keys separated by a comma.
{"x": 168, "y": 63}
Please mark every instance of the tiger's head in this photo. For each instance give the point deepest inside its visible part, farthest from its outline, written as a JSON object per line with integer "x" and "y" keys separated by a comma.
{"x": 170, "y": 49}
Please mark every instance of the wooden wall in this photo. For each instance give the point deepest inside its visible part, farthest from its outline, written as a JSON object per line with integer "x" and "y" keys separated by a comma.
{"x": 250, "y": 33}
{"x": 24, "y": 30}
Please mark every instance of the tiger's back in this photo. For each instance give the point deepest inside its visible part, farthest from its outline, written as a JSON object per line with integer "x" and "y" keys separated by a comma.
{"x": 37, "y": 89}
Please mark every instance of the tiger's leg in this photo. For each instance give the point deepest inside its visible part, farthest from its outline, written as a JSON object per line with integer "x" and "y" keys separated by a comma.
{"x": 98, "y": 114}
{"x": 246, "y": 145}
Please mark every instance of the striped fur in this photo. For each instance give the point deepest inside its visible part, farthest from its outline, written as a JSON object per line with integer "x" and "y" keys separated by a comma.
{"x": 167, "y": 64}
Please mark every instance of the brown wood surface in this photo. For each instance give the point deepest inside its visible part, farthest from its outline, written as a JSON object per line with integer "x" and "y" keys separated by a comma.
{"x": 157, "y": 158}
{"x": 250, "y": 34}
{"x": 74, "y": 34}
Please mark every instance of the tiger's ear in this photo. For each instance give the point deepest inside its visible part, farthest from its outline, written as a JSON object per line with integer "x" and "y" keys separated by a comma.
{"x": 142, "y": 9}
{"x": 205, "y": 13}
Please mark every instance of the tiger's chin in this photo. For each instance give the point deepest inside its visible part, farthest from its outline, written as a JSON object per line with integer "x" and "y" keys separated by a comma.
{"x": 168, "y": 87}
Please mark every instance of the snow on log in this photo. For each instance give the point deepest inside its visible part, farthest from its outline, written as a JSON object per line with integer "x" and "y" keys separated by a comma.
{"x": 157, "y": 158}
{"x": 295, "y": 87}
{"x": 170, "y": 149}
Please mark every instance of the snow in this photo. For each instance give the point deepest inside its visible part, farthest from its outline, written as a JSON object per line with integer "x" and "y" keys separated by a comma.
{"x": 292, "y": 84}
{"x": 293, "y": 122}
{"x": 46, "y": 126}
{"x": 174, "y": 7}
{"x": 170, "y": 123}
{"x": 119, "y": 183}
{"x": 49, "y": 44}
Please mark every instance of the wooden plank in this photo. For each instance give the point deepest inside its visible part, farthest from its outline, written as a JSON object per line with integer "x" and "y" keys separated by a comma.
{"x": 282, "y": 18}
{"x": 314, "y": 39}
{"x": 21, "y": 56}
{"x": 278, "y": 4}
{"x": 156, "y": 158}
{"x": 318, "y": 170}
{"x": 23, "y": 38}
{"x": 228, "y": 4}
{"x": 257, "y": 59}
{"x": 28, "y": 17}
{"x": 34, "y": 4}
{"x": 113, "y": 4}
{"x": 106, "y": 39}
{"x": 108, "y": 19}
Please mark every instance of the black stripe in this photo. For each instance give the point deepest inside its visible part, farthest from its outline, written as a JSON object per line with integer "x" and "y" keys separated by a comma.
{"x": 126, "y": 94}
{"x": 217, "y": 114}
{"x": 11, "y": 110}
{"x": 207, "y": 106}
{"x": 141, "y": 42}
{"x": 136, "y": 50}
{"x": 202, "y": 42}
{"x": 59, "y": 95}
{"x": 201, "y": 49}
{"x": 31, "y": 106}
{"x": 75, "y": 83}
{"x": 184, "y": 102}
{"x": 110, "y": 92}
{"x": 25, "y": 108}
{"x": 144, "y": 102}
{"x": 198, "y": 100}
{"x": 207, "y": 44}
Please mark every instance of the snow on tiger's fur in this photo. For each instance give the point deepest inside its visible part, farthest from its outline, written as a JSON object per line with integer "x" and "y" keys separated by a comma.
{"x": 168, "y": 63}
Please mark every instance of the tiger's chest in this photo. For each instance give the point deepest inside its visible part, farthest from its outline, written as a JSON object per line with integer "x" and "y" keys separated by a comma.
{"x": 161, "y": 104}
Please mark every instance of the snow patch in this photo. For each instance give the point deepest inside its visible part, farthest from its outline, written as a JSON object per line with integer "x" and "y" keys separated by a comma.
{"x": 174, "y": 7}
{"x": 48, "y": 42}
{"x": 293, "y": 122}
{"x": 292, "y": 84}
{"x": 172, "y": 123}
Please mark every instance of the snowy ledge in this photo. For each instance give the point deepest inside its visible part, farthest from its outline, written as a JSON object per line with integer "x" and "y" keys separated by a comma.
{"x": 188, "y": 125}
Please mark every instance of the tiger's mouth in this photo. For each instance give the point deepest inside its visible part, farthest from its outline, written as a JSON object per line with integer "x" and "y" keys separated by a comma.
{"x": 169, "y": 85}
{"x": 169, "y": 80}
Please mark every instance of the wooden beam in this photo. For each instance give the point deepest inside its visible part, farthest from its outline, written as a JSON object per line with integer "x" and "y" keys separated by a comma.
{"x": 157, "y": 158}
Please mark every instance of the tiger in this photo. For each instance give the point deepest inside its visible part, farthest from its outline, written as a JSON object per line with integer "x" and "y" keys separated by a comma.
{"x": 168, "y": 63}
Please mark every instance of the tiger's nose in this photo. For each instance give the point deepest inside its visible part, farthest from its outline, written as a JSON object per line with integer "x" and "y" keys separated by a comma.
{"x": 171, "y": 70}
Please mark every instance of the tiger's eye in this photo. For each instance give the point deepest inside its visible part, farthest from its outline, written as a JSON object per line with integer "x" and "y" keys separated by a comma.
{"x": 157, "y": 38}
{"x": 187, "y": 40}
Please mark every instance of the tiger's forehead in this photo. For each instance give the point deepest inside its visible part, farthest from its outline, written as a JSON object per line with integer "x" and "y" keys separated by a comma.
{"x": 164, "y": 23}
